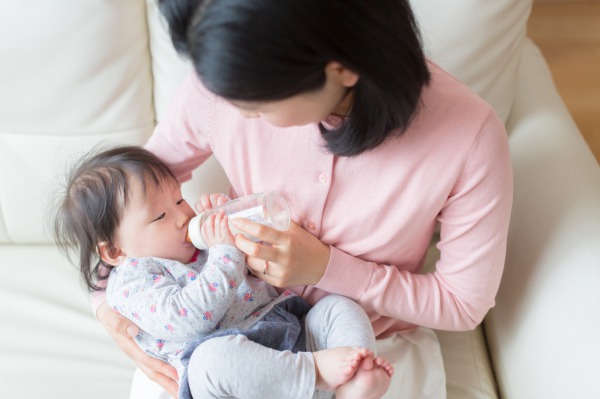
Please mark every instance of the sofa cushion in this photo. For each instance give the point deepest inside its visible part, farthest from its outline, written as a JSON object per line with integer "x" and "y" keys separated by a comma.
{"x": 542, "y": 333}
{"x": 51, "y": 346}
{"x": 467, "y": 364}
{"x": 479, "y": 42}
{"x": 77, "y": 72}
{"x": 168, "y": 68}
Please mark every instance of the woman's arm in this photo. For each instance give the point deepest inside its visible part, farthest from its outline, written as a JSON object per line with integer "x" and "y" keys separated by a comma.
{"x": 473, "y": 237}
{"x": 181, "y": 140}
{"x": 474, "y": 225}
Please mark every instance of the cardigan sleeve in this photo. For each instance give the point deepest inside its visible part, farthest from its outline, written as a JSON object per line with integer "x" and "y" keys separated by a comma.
{"x": 182, "y": 139}
{"x": 474, "y": 227}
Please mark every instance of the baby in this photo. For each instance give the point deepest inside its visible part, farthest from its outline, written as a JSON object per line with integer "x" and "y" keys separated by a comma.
{"x": 228, "y": 333}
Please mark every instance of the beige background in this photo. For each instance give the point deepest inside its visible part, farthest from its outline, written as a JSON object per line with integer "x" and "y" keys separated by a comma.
{"x": 568, "y": 33}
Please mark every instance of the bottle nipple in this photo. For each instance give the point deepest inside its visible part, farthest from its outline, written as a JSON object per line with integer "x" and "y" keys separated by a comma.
{"x": 193, "y": 234}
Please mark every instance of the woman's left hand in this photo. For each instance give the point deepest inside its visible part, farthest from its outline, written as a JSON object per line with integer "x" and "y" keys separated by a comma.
{"x": 292, "y": 258}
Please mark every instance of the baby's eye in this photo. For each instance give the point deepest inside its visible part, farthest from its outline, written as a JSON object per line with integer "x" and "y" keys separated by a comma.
{"x": 162, "y": 215}
{"x": 180, "y": 201}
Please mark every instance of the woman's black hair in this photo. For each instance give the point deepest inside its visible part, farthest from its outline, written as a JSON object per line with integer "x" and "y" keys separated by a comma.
{"x": 265, "y": 50}
{"x": 94, "y": 199}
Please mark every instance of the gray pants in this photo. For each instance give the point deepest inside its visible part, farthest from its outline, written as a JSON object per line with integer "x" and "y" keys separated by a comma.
{"x": 235, "y": 367}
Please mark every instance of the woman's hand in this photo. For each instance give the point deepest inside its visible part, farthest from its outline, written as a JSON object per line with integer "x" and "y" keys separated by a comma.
{"x": 122, "y": 332}
{"x": 295, "y": 257}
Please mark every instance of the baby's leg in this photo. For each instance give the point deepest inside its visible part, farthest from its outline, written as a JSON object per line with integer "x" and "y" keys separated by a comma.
{"x": 338, "y": 321}
{"x": 235, "y": 367}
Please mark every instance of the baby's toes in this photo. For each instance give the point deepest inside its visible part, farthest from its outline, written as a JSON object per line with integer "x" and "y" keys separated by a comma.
{"x": 357, "y": 354}
{"x": 387, "y": 366}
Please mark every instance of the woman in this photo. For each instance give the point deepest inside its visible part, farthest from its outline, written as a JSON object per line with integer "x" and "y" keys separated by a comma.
{"x": 333, "y": 104}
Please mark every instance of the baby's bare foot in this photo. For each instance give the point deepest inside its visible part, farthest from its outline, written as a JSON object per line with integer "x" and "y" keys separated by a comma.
{"x": 336, "y": 366}
{"x": 371, "y": 381}
{"x": 385, "y": 365}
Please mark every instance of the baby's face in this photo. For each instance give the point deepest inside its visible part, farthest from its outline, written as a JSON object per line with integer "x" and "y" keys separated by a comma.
{"x": 155, "y": 223}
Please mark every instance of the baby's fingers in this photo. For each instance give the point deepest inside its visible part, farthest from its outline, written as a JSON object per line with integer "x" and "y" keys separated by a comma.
{"x": 220, "y": 199}
{"x": 203, "y": 203}
{"x": 208, "y": 227}
{"x": 226, "y": 231}
{"x": 209, "y": 201}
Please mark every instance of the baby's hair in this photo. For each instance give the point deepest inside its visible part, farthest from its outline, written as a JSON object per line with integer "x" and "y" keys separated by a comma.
{"x": 95, "y": 197}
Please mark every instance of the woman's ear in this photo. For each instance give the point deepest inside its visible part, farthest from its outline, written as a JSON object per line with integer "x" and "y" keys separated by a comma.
{"x": 114, "y": 256}
{"x": 347, "y": 77}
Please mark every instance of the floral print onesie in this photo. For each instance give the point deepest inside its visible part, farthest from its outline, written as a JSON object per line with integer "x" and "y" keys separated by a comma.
{"x": 176, "y": 304}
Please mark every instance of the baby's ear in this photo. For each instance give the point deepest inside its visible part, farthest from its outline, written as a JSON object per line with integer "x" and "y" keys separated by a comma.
{"x": 114, "y": 256}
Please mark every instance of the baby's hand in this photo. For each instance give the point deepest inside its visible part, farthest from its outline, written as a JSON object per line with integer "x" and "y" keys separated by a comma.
{"x": 209, "y": 201}
{"x": 215, "y": 230}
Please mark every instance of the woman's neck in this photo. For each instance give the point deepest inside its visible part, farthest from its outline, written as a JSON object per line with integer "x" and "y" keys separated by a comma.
{"x": 343, "y": 108}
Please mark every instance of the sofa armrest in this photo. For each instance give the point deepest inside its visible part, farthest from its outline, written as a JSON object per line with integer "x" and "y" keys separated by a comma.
{"x": 542, "y": 333}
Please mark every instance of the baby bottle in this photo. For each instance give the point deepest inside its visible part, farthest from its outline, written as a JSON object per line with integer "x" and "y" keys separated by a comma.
{"x": 268, "y": 208}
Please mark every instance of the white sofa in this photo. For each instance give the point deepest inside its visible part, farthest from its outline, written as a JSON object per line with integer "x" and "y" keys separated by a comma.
{"x": 75, "y": 72}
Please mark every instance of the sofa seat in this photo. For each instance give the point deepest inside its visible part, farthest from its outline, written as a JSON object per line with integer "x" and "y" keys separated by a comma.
{"x": 76, "y": 73}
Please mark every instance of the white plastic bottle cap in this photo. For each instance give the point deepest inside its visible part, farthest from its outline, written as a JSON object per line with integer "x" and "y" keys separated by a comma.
{"x": 194, "y": 232}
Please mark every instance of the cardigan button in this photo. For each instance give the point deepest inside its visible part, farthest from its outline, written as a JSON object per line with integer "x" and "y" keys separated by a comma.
{"x": 311, "y": 226}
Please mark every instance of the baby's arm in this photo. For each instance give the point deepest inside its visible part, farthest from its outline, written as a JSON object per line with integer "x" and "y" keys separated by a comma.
{"x": 147, "y": 294}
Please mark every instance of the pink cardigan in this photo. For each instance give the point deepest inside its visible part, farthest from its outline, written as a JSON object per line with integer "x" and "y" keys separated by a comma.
{"x": 378, "y": 210}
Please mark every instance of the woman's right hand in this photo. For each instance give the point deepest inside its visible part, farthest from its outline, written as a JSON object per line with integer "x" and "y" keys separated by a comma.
{"x": 122, "y": 332}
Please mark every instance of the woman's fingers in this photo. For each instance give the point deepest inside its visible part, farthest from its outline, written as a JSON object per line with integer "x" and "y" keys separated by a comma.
{"x": 158, "y": 366}
{"x": 296, "y": 257}
{"x": 167, "y": 379}
{"x": 260, "y": 267}
{"x": 260, "y": 231}
{"x": 122, "y": 330}
{"x": 115, "y": 322}
{"x": 126, "y": 327}
{"x": 257, "y": 249}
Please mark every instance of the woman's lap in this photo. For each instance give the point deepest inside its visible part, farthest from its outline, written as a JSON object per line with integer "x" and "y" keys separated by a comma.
{"x": 418, "y": 365}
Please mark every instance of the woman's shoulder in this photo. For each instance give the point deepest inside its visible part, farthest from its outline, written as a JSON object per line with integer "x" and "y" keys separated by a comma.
{"x": 450, "y": 113}
{"x": 447, "y": 92}
{"x": 445, "y": 129}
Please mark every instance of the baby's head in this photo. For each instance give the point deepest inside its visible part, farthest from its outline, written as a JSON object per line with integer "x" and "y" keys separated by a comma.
{"x": 121, "y": 202}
